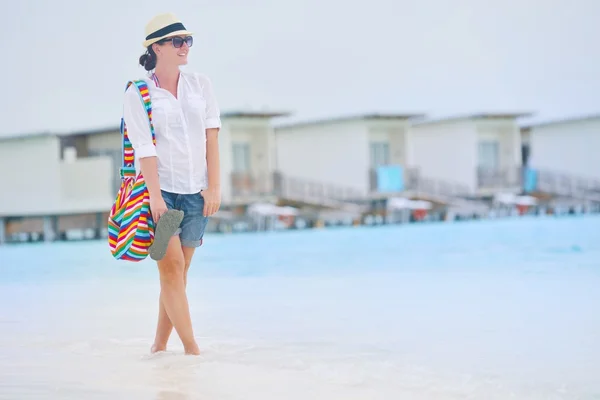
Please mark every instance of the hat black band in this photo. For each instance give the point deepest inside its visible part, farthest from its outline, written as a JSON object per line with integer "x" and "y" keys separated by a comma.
{"x": 177, "y": 26}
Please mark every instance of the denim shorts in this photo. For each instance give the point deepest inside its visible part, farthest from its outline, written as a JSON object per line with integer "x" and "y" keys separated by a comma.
{"x": 191, "y": 229}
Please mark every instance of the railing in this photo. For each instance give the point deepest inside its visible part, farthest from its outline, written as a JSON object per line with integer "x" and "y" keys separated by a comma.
{"x": 440, "y": 187}
{"x": 415, "y": 182}
{"x": 568, "y": 185}
{"x": 245, "y": 185}
{"x": 304, "y": 189}
{"x": 454, "y": 194}
{"x": 433, "y": 186}
{"x": 499, "y": 178}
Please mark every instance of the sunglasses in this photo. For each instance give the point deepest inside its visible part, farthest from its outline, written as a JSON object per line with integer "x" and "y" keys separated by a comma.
{"x": 178, "y": 41}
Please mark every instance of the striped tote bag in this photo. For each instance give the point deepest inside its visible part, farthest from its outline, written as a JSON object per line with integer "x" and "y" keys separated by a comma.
{"x": 130, "y": 224}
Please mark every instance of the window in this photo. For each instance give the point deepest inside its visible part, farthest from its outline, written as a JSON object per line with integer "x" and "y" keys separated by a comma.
{"x": 380, "y": 154}
{"x": 525, "y": 153}
{"x": 489, "y": 154}
{"x": 241, "y": 157}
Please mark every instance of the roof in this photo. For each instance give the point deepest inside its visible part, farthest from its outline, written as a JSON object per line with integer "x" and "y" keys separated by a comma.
{"x": 226, "y": 115}
{"x": 7, "y": 137}
{"x": 349, "y": 118}
{"x": 566, "y": 120}
{"x": 254, "y": 114}
{"x": 476, "y": 116}
{"x": 90, "y": 132}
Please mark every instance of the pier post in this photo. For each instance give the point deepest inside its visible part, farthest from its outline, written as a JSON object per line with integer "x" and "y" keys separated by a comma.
{"x": 99, "y": 225}
{"x": 49, "y": 228}
{"x": 2, "y": 230}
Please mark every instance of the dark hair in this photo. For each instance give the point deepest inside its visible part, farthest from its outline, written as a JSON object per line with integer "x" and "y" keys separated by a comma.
{"x": 148, "y": 59}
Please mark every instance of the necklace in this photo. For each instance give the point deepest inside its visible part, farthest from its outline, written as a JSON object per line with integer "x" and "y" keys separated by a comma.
{"x": 155, "y": 79}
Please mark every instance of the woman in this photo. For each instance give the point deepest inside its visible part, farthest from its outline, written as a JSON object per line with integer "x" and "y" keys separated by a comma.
{"x": 181, "y": 170}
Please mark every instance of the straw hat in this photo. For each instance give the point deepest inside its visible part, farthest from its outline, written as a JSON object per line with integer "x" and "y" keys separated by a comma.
{"x": 163, "y": 26}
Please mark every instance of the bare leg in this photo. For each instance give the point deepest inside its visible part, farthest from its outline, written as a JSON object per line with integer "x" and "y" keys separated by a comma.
{"x": 165, "y": 326}
{"x": 174, "y": 308}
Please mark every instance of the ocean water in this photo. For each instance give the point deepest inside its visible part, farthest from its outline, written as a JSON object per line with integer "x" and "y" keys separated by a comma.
{"x": 505, "y": 309}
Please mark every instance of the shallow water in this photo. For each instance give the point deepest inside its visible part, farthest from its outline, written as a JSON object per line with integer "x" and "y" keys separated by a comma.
{"x": 475, "y": 310}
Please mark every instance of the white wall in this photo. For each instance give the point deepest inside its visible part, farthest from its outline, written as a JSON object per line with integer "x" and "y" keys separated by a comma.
{"x": 398, "y": 146}
{"x": 86, "y": 184}
{"x": 336, "y": 154}
{"x": 105, "y": 141}
{"x": 34, "y": 181}
{"x": 29, "y": 174}
{"x": 394, "y": 134}
{"x": 570, "y": 148}
{"x": 444, "y": 150}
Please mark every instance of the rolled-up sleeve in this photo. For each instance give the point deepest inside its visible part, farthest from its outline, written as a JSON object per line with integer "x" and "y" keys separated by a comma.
{"x": 213, "y": 113}
{"x": 138, "y": 128}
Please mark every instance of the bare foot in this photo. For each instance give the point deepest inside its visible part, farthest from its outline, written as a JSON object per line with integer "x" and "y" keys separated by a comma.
{"x": 193, "y": 351}
{"x": 155, "y": 348}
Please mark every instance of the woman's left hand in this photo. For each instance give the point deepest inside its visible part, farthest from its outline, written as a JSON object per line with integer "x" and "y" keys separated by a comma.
{"x": 212, "y": 201}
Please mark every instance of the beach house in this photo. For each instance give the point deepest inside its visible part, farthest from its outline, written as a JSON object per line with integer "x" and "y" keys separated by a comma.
{"x": 563, "y": 155}
{"x": 47, "y": 187}
{"x": 247, "y": 144}
{"x": 568, "y": 146}
{"x": 357, "y": 155}
{"x": 481, "y": 152}
{"x": 77, "y": 173}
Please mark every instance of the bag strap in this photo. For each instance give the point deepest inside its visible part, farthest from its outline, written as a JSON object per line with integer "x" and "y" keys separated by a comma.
{"x": 128, "y": 166}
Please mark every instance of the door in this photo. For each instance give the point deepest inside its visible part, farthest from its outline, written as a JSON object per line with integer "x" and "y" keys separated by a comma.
{"x": 488, "y": 170}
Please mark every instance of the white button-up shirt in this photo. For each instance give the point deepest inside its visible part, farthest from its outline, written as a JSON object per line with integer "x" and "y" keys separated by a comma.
{"x": 180, "y": 128}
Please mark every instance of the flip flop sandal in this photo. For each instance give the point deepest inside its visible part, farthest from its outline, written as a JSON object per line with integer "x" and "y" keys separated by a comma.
{"x": 166, "y": 227}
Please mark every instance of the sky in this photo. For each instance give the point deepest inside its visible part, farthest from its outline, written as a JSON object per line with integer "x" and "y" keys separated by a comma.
{"x": 65, "y": 63}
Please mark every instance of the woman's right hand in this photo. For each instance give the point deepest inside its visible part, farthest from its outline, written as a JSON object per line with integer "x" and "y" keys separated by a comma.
{"x": 157, "y": 207}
